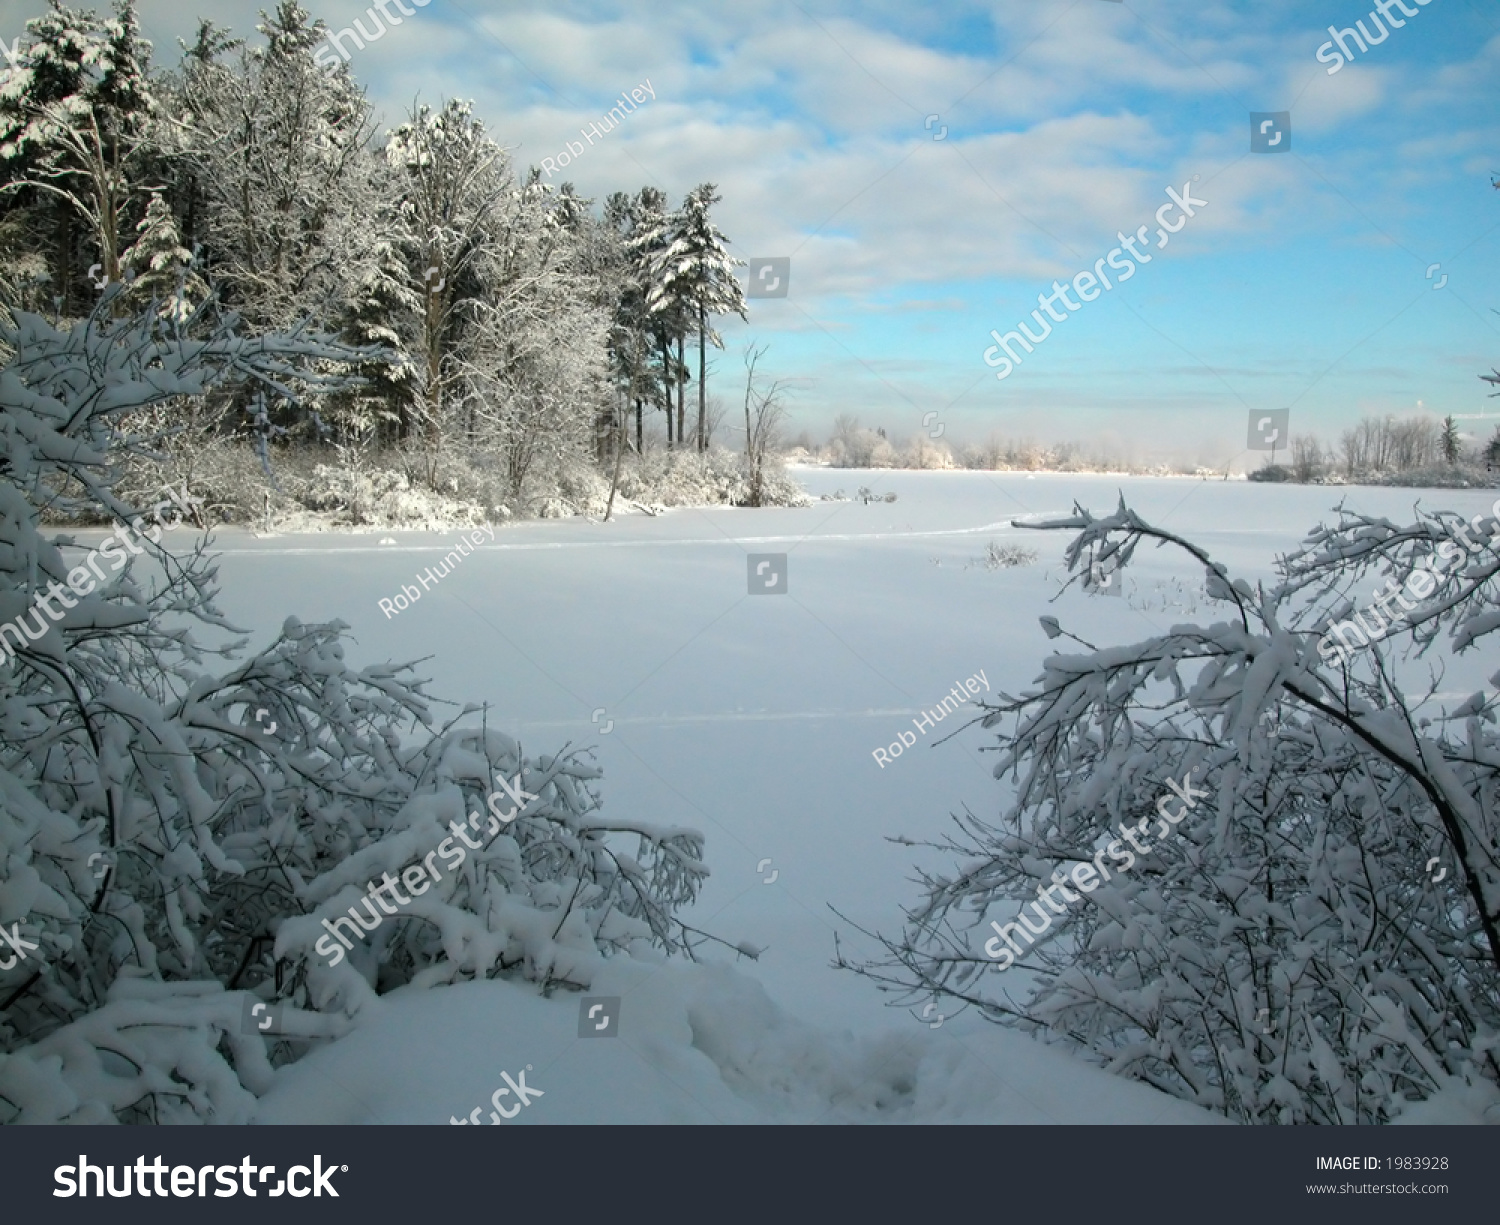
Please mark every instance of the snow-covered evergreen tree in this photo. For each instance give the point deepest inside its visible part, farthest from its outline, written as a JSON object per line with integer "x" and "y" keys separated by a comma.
{"x": 695, "y": 274}
{"x": 383, "y": 310}
{"x": 160, "y": 267}
{"x": 630, "y": 337}
{"x": 76, "y": 137}
{"x": 652, "y": 229}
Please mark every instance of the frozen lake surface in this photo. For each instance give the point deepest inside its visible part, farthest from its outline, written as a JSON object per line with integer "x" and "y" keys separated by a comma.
{"x": 754, "y": 718}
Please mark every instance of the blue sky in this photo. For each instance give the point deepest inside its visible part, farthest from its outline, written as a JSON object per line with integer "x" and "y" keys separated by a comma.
{"x": 1303, "y": 282}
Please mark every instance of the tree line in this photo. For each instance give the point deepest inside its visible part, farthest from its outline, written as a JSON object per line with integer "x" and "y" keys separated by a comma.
{"x": 492, "y": 312}
{"x": 1382, "y": 447}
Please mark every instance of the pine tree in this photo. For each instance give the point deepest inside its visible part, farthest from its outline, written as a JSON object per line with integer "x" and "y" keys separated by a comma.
{"x": 630, "y": 340}
{"x": 652, "y": 231}
{"x": 160, "y": 267}
{"x": 382, "y": 310}
{"x": 1450, "y": 441}
{"x": 52, "y": 68}
{"x": 123, "y": 96}
{"x": 696, "y": 274}
{"x": 75, "y": 127}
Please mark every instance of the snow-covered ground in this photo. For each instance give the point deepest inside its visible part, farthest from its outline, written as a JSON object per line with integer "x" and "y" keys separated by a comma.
{"x": 754, "y": 718}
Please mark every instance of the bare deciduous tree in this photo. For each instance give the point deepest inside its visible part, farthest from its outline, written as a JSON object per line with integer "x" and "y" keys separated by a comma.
{"x": 764, "y": 411}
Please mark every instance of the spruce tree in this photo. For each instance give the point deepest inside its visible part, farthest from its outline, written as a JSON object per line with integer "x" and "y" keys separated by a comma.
{"x": 696, "y": 273}
{"x": 160, "y": 267}
{"x": 1450, "y": 441}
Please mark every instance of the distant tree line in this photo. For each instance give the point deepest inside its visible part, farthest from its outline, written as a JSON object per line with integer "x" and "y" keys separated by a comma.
{"x": 852, "y": 445}
{"x": 1379, "y": 448}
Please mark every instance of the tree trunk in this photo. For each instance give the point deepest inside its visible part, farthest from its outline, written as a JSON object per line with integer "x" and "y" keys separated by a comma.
{"x": 749, "y": 435}
{"x": 620, "y": 436}
{"x": 681, "y": 388}
{"x": 666, "y": 381}
{"x": 702, "y": 386}
{"x": 640, "y": 448}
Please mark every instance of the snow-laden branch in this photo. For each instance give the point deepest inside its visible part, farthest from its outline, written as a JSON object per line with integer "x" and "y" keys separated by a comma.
{"x": 1295, "y": 954}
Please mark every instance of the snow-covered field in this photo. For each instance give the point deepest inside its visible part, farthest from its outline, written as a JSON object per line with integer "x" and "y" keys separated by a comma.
{"x": 754, "y": 718}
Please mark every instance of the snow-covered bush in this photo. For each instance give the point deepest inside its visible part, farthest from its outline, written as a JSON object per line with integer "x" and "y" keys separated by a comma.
{"x": 1006, "y": 556}
{"x": 713, "y": 478}
{"x": 380, "y": 498}
{"x": 1292, "y": 955}
{"x": 171, "y": 836}
{"x": 307, "y": 488}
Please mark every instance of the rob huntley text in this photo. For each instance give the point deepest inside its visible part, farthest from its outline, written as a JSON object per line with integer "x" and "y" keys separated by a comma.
{"x": 928, "y": 719}
{"x": 614, "y": 116}
{"x": 394, "y": 605}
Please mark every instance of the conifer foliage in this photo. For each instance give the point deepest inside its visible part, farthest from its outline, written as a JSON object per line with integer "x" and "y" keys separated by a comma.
{"x": 516, "y": 327}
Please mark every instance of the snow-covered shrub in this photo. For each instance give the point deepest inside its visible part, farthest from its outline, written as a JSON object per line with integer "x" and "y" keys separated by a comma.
{"x": 779, "y": 489}
{"x": 1004, "y": 556}
{"x": 172, "y": 836}
{"x": 575, "y": 488}
{"x": 1438, "y": 476}
{"x": 378, "y": 497}
{"x": 1172, "y": 597}
{"x": 1291, "y": 955}
{"x": 714, "y": 478}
